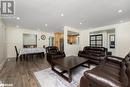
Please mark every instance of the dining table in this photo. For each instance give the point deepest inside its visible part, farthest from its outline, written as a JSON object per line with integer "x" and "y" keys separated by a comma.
{"x": 24, "y": 51}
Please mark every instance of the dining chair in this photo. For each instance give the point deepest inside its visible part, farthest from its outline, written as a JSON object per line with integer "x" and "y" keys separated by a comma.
{"x": 17, "y": 53}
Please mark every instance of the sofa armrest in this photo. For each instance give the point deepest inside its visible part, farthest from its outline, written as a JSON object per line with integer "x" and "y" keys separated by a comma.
{"x": 61, "y": 53}
{"x": 91, "y": 79}
{"x": 114, "y": 59}
{"x": 103, "y": 59}
{"x": 81, "y": 52}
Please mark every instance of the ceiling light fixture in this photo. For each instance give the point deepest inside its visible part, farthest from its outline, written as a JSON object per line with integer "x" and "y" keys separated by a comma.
{"x": 80, "y": 23}
{"x": 121, "y": 21}
{"x": 120, "y": 11}
{"x": 62, "y": 14}
{"x": 18, "y": 18}
{"x": 17, "y": 26}
{"x": 46, "y": 25}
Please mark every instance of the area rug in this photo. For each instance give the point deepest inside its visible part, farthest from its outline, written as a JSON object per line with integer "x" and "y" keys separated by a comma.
{"x": 48, "y": 78}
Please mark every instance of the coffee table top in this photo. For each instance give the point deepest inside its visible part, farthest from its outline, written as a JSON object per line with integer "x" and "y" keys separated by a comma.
{"x": 69, "y": 62}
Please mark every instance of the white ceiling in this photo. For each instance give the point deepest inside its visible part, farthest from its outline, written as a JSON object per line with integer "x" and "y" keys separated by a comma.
{"x": 34, "y": 14}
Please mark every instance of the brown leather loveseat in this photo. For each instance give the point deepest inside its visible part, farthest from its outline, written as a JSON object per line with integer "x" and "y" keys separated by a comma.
{"x": 115, "y": 72}
{"x": 94, "y": 54}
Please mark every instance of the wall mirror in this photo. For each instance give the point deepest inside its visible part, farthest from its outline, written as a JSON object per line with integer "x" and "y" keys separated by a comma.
{"x": 112, "y": 41}
{"x": 72, "y": 37}
{"x": 96, "y": 40}
{"x": 29, "y": 40}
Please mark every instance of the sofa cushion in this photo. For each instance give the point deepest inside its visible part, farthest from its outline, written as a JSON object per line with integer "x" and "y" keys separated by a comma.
{"x": 92, "y": 57}
{"x": 113, "y": 59}
{"x": 53, "y": 52}
{"x": 113, "y": 65}
{"x": 57, "y": 56}
{"x": 102, "y": 75}
{"x": 94, "y": 48}
{"x": 52, "y": 49}
{"x": 82, "y": 55}
{"x": 111, "y": 70}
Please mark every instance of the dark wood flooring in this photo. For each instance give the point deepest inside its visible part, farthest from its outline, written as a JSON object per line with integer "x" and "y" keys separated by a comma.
{"x": 20, "y": 73}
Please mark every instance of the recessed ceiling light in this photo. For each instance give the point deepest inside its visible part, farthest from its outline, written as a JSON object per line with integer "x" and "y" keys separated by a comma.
{"x": 121, "y": 21}
{"x": 46, "y": 25}
{"x": 62, "y": 14}
{"x": 120, "y": 11}
{"x": 17, "y": 26}
{"x": 18, "y": 18}
{"x": 80, "y": 23}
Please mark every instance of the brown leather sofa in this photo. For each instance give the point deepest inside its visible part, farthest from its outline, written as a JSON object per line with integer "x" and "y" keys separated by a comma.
{"x": 94, "y": 54}
{"x": 115, "y": 72}
{"x": 53, "y": 52}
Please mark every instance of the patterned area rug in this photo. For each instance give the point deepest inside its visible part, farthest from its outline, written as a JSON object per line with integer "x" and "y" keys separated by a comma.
{"x": 48, "y": 78}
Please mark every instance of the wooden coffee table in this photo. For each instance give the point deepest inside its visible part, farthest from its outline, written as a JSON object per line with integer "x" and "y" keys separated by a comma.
{"x": 67, "y": 64}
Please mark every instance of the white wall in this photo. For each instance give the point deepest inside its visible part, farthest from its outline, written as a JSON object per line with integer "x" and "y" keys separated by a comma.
{"x": 106, "y": 41}
{"x": 70, "y": 49}
{"x": 122, "y": 37}
{"x": 2, "y": 44}
{"x": 15, "y": 38}
{"x": 85, "y": 35}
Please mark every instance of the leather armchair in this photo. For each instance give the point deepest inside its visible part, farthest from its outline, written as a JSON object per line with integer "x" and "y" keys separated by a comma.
{"x": 114, "y": 73}
{"x": 53, "y": 52}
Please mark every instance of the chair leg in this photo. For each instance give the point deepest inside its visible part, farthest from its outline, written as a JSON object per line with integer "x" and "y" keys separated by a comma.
{"x": 20, "y": 58}
{"x": 42, "y": 55}
{"x": 24, "y": 57}
{"x": 27, "y": 57}
{"x": 31, "y": 57}
{"x": 16, "y": 58}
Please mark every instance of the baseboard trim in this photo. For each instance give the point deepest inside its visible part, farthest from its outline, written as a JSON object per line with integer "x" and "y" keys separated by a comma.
{"x": 2, "y": 63}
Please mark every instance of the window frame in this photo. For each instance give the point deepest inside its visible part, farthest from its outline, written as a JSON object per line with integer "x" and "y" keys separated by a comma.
{"x": 96, "y": 40}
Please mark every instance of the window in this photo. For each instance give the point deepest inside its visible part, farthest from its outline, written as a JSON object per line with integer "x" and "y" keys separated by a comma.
{"x": 96, "y": 40}
{"x": 51, "y": 41}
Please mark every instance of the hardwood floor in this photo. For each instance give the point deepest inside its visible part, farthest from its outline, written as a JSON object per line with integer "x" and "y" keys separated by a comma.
{"x": 20, "y": 73}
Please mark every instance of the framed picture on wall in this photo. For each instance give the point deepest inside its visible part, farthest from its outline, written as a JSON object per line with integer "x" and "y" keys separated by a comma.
{"x": 112, "y": 41}
{"x": 29, "y": 40}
